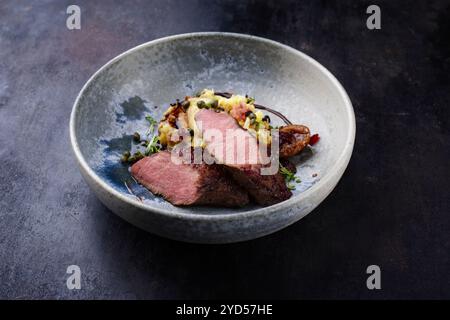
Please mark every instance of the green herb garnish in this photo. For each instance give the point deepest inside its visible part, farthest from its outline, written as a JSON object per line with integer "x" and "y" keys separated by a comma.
{"x": 289, "y": 176}
{"x": 135, "y": 157}
{"x": 290, "y": 186}
{"x": 152, "y": 122}
{"x": 125, "y": 156}
{"x": 153, "y": 146}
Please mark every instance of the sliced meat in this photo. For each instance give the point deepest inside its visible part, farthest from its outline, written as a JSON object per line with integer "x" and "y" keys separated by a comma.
{"x": 264, "y": 190}
{"x": 188, "y": 184}
{"x": 246, "y": 171}
{"x": 225, "y": 139}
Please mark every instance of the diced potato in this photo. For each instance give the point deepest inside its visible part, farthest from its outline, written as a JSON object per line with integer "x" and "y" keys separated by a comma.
{"x": 229, "y": 105}
{"x": 165, "y": 131}
{"x": 264, "y": 136}
{"x": 246, "y": 123}
{"x": 207, "y": 93}
{"x": 259, "y": 115}
{"x": 251, "y": 107}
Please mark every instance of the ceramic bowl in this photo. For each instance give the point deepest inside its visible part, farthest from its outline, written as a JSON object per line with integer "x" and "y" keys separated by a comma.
{"x": 113, "y": 104}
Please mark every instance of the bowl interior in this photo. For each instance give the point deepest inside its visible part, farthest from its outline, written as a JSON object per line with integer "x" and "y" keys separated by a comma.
{"x": 146, "y": 79}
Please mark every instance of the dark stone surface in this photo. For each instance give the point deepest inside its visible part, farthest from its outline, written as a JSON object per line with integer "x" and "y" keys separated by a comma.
{"x": 391, "y": 208}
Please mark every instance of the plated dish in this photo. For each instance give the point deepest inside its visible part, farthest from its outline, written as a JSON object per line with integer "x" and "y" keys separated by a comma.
{"x": 211, "y": 149}
{"x": 114, "y": 102}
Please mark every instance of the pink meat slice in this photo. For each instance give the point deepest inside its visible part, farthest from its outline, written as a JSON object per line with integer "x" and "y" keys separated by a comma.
{"x": 246, "y": 171}
{"x": 188, "y": 184}
{"x": 225, "y": 139}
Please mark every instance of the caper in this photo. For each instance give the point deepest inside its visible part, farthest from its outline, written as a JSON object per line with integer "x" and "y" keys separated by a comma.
{"x": 250, "y": 114}
{"x": 214, "y": 104}
{"x": 201, "y": 104}
{"x": 191, "y": 132}
{"x": 125, "y": 156}
{"x": 138, "y": 155}
{"x": 185, "y": 104}
{"x": 266, "y": 119}
{"x": 135, "y": 157}
{"x": 136, "y": 137}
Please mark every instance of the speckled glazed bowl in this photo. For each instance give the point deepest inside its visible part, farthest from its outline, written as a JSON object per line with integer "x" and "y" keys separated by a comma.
{"x": 144, "y": 80}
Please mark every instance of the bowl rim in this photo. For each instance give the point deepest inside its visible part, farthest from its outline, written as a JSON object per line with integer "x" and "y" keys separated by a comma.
{"x": 339, "y": 165}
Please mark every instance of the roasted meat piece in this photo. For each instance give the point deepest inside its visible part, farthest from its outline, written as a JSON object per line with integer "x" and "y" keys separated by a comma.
{"x": 188, "y": 184}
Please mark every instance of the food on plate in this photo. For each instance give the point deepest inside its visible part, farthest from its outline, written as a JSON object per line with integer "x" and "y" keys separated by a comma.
{"x": 188, "y": 184}
{"x": 293, "y": 139}
{"x": 236, "y": 140}
{"x": 263, "y": 189}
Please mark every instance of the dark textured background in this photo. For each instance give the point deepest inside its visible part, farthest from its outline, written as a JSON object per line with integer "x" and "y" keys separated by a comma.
{"x": 391, "y": 208}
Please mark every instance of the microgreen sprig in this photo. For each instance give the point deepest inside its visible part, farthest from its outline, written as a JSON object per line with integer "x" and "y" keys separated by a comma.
{"x": 289, "y": 176}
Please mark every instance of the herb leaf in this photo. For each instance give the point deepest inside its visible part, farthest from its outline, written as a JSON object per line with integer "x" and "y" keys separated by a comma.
{"x": 290, "y": 186}
{"x": 153, "y": 146}
{"x": 289, "y": 176}
{"x": 250, "y": 100}
{"x": 152, "y": 122}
